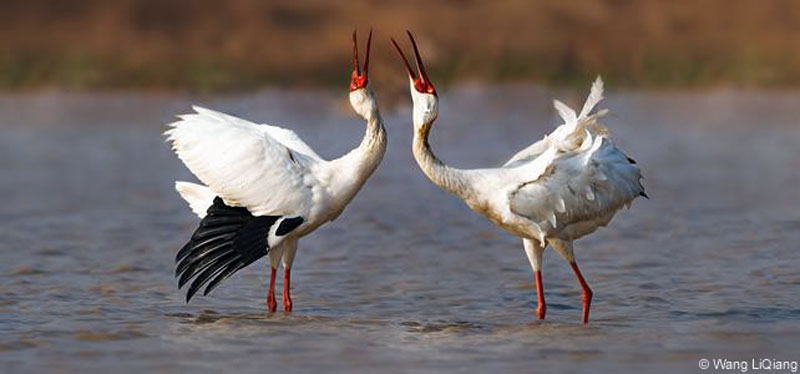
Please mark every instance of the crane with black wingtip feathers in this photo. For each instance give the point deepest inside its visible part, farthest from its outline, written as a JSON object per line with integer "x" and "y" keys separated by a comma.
{"x": 264, "y": 188}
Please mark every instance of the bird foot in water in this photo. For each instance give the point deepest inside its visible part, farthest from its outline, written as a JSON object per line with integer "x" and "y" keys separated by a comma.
{"x": 287, "y": 304}
{"x": 541, "y": 311}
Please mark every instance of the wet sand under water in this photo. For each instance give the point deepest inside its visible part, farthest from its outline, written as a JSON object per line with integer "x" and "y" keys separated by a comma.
{"x": 407, "y": 279}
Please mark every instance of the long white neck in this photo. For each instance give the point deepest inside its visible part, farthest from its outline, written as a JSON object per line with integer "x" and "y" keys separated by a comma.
{"x": 352, "y": 170}
{"x": 455, "y": 181}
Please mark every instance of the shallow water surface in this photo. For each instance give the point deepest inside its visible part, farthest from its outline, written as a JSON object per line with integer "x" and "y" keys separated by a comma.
{"x": 407, "y": 279}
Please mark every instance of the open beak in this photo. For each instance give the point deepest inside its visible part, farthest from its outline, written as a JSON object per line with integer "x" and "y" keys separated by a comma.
{"x": 421, "y": 83}
{"x": 360, "y": 76}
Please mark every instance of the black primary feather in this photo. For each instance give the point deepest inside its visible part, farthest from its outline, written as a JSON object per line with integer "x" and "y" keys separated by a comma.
{"x": 226, "y": 240}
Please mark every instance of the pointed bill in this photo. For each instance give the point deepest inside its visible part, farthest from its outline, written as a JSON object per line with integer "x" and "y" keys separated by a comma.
{"x": 411, "y": 72}
{"x": 360, "y": 77}
{"x": 420, "y": 80}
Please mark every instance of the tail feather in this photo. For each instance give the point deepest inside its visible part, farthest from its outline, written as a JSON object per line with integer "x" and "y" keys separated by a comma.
{"x": 199, "y": 197}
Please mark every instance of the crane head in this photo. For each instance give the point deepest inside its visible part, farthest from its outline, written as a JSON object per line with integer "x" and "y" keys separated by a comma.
{"x": 360, "y": 76}
{"x": 421, "y": 82}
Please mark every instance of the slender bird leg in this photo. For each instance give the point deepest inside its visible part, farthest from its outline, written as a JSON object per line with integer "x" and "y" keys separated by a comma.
{"x": 287, "y": 257}
{"x": 541, "y": 309}
{"x": 535, "y": 250}
{"x": 564, "y": 248}
{"x": 275, "y": 255}
{"x": 287, "y": 299}
{"x": 587, "y": 292}
{"x": 272, "y": 305}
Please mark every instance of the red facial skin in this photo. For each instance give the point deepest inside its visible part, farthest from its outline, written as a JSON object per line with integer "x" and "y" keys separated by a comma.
{"x": 421, "y": 83}
{"x": 360, "y": 77}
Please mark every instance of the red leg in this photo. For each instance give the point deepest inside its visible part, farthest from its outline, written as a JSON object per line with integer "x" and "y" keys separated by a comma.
{"x": 542, "y": 308}
{"x": 587, "y": 292}
{"x": 287, "y": 299}
{"x": 272, "y": 305}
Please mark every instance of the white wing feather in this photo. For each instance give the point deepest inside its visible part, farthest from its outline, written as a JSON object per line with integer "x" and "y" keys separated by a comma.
{"x": 595, "y": 95}
{"x": 289, "y": 139}
{"x": 199, "y": 197}
{"x": 569, "y": 136}
{"x": 566, "y": 113}
{"x": 531, "y": 152}
{"x": 587, "y": 186}
{"x": 242, "y": 163}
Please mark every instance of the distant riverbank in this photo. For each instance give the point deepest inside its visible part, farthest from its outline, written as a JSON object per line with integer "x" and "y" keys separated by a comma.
{"x": 209, "y": 46}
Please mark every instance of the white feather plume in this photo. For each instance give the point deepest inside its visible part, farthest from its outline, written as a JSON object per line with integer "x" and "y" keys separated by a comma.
{"x": 595, "y": 95}
{"x": 566, "y": 113}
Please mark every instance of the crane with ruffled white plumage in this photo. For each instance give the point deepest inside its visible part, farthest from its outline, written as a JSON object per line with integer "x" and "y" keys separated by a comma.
{"x": 557, "y": 190}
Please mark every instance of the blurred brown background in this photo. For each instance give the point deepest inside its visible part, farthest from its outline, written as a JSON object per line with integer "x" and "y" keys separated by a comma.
{"x": 206, "y": 45}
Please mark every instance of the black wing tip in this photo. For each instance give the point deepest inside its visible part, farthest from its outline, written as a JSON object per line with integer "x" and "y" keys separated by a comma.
{"x": 226, "y": 240}
{"x": 632, "y": 161}
{"x": 644, "y": 195}
{"x": 208, "y": 274}
{"x": 225, "y": 274}
{"x": 183, "y": 252}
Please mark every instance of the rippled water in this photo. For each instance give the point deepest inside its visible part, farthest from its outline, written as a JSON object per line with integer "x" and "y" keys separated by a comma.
{"x": 407, "y": 279}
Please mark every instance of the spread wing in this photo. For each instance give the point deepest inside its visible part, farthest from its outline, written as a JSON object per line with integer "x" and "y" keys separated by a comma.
{"x": 244, "y": 164}
{"x": 580, "y": 186}
{"x": 290, "y": 140}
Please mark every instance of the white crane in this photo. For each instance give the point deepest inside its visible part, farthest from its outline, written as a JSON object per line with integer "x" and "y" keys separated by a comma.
{"x": 264, "y": 188}
{"x": 553, "y": 192}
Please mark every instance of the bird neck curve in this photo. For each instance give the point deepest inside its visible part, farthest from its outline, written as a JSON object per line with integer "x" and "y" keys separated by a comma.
{"x": 450, "y": 179}
{"x": 351, "y": 171}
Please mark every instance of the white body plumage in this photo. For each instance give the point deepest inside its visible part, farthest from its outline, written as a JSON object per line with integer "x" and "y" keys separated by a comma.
{"x": 562, "y": 187}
